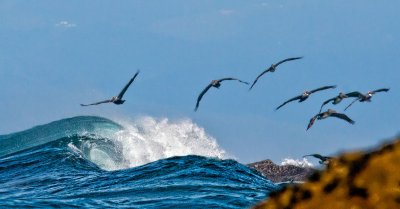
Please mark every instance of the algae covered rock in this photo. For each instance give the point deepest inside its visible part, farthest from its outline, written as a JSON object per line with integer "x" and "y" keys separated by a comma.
{"x": 355, "y": 180}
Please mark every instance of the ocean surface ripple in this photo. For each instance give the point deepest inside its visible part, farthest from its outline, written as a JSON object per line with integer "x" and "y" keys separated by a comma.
{"x": 90, "y": 161}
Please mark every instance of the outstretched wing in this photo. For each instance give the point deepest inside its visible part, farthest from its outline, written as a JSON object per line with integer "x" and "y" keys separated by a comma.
{"x": 380, "y": 90}
{"x": 290, "y": 100}
{"x": 288, "y": 59}
{"x": 228, "y": 79}
{"x": 315, "y": 155}
{"x": 355, "y": 94}
{"x": 343, "y": 116}
{"x": 312, "y": 120}
{"x": 121, "y": 94}
{"x": 326, "y": 102}
{"x": 201, "y": 96}
{"x": 322, "y": 88}
{"x": 351, "y": 103}
{"x": 261, "y": 74}
{"x": 105, "y": 101}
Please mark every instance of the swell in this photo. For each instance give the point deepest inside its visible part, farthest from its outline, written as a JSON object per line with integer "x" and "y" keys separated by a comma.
{"x": 112, "y": 146}
{"x": 53, "y": 131}
{"x": 53, "y": 175}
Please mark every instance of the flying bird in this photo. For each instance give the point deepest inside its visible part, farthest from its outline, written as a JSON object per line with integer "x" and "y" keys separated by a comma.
{"x": 364, "y": 97}
{"x": 323, "y": 159}
{"x": 116, "y": 99}
{"x": 305, "y": 95}
{"x": 272, "y": 69}
{"x": 216, "y": 84}
{"x": 329, "y": 113}
{"x": 335, "y": 100}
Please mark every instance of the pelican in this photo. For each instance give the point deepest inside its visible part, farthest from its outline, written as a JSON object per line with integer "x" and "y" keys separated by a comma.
{"x": 116, "y": 99}
{"x": 327, "y": 114}
{"x": 216, "y": 84}
{"x": 305, "y": 95}
{"x": 335, "y": 100}
{"x": 364, "y": 97}
{"x": 323, "y": 159}
{"x": 272, "y": 69}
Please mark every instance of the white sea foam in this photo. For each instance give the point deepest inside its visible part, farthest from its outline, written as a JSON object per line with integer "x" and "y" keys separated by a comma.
{"x": 297, "y": 162}
{"x": 148, "y": 139}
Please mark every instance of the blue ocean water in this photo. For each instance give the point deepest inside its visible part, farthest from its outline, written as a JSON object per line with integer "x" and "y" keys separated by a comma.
{"x": 94, "y": 162}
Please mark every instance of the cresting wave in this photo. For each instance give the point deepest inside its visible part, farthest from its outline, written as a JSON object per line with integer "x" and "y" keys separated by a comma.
{"x": 93, "y": 162}
{"x": 113, "y": 146}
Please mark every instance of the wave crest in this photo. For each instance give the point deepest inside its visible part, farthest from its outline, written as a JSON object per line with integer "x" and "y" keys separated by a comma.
{"x": 148, "y": 139}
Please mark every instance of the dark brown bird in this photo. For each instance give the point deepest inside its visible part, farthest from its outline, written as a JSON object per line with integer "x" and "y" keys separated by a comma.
{"x": 216, "y": 84}
{"x": 116, "y": 99}
{"x": 364, "y": 97}
{"x": 329, "y": 113}
{"x": 323, "y": 159}
{"x": 272, "y": 69}
{"x": 305, "y": 95}
{"x": 335, "y": 100}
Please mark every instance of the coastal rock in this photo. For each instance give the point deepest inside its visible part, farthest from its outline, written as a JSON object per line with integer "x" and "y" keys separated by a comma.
{"x": 281, "y": 173}
{"x": 357, "y": 180}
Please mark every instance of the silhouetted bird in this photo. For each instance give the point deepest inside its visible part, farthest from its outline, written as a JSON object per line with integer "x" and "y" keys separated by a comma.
{"x": 364, "y": 97}
{"x": 323, "y": 159}
{"x": 216, "y": 84}
{"x": 305, "y": 95}
{"x": 272, "y": 69}
{"x": 335, "y": 100}
{"x": 116, "y": 99}
{"x": 329, "y": 113}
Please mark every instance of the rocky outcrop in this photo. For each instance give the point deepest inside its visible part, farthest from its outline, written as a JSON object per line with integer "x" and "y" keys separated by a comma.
{"x": 359, "y": 180}
{"x": 281, "y": 173}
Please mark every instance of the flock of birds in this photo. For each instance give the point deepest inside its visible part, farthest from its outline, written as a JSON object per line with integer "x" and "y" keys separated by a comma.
{"x": 302, "y": 97}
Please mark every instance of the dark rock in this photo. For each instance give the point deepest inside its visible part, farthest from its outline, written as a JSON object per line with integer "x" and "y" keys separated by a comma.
{"x": 281, "y": 173}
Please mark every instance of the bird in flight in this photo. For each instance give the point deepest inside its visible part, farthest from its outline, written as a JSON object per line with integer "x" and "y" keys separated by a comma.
{"x": 364, "y": 97}
{"x": 335, "y": 100}
{"x": 272, "y": 69}
{"x": 329, "y": 113}
{"x": 305, "y": 95}
{"x": 116, "y": 99}
{"x": 216, "y": 84}
{"x": 323, "y": 159}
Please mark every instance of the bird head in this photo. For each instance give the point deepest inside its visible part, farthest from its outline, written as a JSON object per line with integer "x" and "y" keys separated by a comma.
{"x": 216, "y": 83}
{"x": 342, "y": 95}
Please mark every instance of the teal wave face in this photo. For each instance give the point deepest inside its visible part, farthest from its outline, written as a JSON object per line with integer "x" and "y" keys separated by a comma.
{"x": 42, "y": 134}
{"x": 51, "y": 175}
{"x": 93, "y": 162}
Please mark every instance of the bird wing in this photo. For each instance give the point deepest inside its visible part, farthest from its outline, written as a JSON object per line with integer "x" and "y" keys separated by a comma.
{"x": 322, "y": 88}
{"x": 315, "y": 155}
{"x": 288, "y": 59}
{"x": 343, "y": 116}
{"x": 351, "y": 103}
{"x": 290, "y": 100}
{"x": 312, "y": 120}
{"x": 354, "y": 94}
{"x": 380, "y": 90}
{"x": 227, "y": 79}
{"x": 121, "y": 94}
{"x": 105, "y": 101}
{"x": 261, "y": 74}
{"x": 326, "y": 102}
{"x": 201, "y": 96}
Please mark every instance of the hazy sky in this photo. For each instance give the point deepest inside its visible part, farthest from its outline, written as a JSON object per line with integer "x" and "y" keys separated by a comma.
{"x": 55, "y": 55}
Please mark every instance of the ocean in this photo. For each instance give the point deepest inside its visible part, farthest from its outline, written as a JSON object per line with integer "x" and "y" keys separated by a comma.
{"x": 94, "y": 162}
